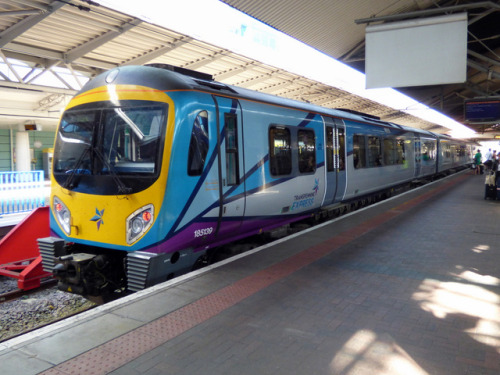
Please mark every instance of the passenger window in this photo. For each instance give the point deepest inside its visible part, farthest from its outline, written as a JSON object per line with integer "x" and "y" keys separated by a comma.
{"x": 329, "y": 149}
{"x": 341, "y": 150}
{"x": 400, "y": 151}
{"x": 446, "y": 150}
{"x": 280, "y": 153}
{"x": 428, "y": 151}
{"x": 359, "y": 153}
{"x": 232, "y": 169}
{"x": 389, "y": 151}
{"x": 198, "y": 147}
{"x": 307, "y": 151}
{"x": 374, "y": 155}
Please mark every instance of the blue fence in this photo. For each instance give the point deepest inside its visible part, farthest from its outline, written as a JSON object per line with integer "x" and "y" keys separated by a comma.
{"x": 21, "y": 191}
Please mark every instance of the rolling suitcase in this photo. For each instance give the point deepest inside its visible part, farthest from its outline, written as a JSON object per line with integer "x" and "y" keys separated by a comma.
{"x": 490, "y": 188}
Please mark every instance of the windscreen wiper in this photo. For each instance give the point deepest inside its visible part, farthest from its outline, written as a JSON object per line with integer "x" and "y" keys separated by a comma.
{"x": 68, "y": 184}
{"x": 122, "y": 188}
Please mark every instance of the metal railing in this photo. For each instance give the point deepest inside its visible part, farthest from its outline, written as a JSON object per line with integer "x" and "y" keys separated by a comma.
{"x": 21, "y": 191}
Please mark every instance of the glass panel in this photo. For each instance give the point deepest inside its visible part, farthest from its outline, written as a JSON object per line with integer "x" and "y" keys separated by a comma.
{"x": 329, "y": 149}
{"x": 341, "y": 150}
{"x": 119, "y": 140}
{"x": 374, "y": 156}
{"x": 307, "y": 151}
{"x": 231, "y": 166}
{"x": 359, "y": 152}
{"x": 198, "y": 146}
{"x": 130, "y": 140}
{"x": 388, "y": 151}
{"x": 280, "y": 156}
{"x": 400, "y": 151}
{"x": 428, "y": 151}
{"x": 74, "y": 141}
{"x": 232, "y": 170}
{"x": 231, "y": 139}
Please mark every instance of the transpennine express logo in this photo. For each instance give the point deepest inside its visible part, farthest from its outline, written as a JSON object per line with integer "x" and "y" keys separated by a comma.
{"x": 305, "y": 200}
{"x": 98, "y": 217}
{"x": 316, "y": 186}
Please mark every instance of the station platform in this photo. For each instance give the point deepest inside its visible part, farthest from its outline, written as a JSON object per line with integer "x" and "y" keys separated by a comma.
{"x": 408, "y": 286}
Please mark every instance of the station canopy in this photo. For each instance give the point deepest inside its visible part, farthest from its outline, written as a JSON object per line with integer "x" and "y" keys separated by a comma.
{"x": 49, "y": 49}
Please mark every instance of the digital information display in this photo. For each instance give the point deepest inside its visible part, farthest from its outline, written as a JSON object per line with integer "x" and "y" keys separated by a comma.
{"x": 482, "y": 110}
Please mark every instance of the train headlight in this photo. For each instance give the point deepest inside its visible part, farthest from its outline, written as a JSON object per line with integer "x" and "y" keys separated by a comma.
{"x": 139, "y": 222}
{"x": 62, "y": 214}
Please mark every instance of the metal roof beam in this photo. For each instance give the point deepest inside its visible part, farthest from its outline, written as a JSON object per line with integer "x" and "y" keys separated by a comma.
{"x": 35, "y": 4}
{"x": 36, "y": 88}
{"x": 429, "y": 12}
{"x": 481, "y": 16}
{"x": 63, "y": 81}
{"x": 147, "y": 57}
{"x": 75, "y": 76}
{"x": 91, "y": 45}
{"x": 43, "y": 71}
{"x": 52, "y": 55}
{"x": 26, "y": 12}
{"x": 356, "y": 51}
{"x": 231, "y": 73}
{"x": 483, "y": 69}
{"x": 209, "y": 59}
{"x": 279, "y": 86}
{"x": 33, "y": 51}
{"x": 257, "y": 80}
{"x": 20, "y": 27}
{"x": 30, "y": 60}
{"x": 11, "y": 68}
{"x": 484, "y": 58}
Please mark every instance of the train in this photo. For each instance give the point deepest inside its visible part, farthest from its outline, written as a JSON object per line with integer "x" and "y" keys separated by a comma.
{"x": 156, "y": 166}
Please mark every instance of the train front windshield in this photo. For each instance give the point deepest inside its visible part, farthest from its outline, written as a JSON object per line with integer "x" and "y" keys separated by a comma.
{"x": 105, "y": 149}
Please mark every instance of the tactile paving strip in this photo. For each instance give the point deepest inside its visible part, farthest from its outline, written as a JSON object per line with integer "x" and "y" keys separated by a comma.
{"x": 121, "y": 350}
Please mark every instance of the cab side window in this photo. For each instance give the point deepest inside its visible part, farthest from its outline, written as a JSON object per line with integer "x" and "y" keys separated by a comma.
{"x": 198, "y": 146}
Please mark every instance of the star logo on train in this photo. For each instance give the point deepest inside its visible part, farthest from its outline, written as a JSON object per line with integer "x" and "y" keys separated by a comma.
{"x": 98, "y": 217}
{"x": 316, "y": 186}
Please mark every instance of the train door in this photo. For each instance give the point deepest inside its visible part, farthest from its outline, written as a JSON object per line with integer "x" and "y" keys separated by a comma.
{"x": 231, "y": 167}
{"x": 335, "y": 160}
{"x": 418, "y": 155}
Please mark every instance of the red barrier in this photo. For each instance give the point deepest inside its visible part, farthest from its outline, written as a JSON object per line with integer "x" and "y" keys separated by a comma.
{"x": 19, "y": 254}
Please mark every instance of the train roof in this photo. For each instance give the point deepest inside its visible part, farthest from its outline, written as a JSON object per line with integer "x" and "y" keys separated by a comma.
{"x": 162, "y": 77}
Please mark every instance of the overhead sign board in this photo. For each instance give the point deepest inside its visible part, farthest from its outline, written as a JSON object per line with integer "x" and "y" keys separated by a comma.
{"x": 482, "y": 110}
{"x": 418, "y": 52}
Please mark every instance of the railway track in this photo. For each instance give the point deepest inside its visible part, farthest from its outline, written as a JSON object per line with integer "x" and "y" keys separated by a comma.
{"x": 25, "y": 311}
{"x": 18, "y": 293}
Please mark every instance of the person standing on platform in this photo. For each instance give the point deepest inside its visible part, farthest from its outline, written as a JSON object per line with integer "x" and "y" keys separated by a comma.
{"x": 487, "y": 156}
{"x": 477, "y": 161}
{"x": 488, "y": 160}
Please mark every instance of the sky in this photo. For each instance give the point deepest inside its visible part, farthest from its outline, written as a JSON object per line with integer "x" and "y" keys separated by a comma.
{"x": 216, "y": 23}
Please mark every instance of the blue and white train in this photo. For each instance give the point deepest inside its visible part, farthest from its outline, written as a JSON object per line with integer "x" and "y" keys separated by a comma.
{"x": 154, "y": 166}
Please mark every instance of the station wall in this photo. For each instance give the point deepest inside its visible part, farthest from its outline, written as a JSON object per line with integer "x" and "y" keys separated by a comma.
{"x": 44, "y": 138}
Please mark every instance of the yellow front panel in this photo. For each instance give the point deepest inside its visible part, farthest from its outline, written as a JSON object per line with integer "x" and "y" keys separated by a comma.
{"x": 102, "y": 218}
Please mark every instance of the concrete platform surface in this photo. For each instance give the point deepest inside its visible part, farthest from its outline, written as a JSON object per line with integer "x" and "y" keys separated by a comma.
{"x": 407, "y": 286}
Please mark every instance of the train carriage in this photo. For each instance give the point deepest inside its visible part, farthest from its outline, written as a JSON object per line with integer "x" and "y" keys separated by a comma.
{"x": 153, "y": 168}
